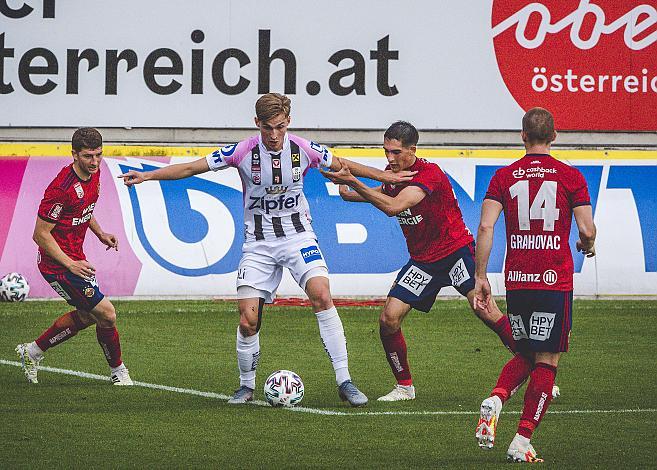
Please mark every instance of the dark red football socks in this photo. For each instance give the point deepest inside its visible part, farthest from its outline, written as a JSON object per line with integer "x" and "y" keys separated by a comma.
{"x": 395, "y": 348}
{"x": 537, "y": 398}
{"x": 65, "y": 327}
{"x": 503, "y": 330}
{"x": 108, "y": 338}
{"x": 513, "y": 374}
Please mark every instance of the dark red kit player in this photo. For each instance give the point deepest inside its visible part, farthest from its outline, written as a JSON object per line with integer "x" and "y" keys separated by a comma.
{"x": 65, "y": 214}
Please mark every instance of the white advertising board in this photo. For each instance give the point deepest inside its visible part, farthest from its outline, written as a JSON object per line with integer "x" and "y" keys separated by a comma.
{"x": 346, "y": 65}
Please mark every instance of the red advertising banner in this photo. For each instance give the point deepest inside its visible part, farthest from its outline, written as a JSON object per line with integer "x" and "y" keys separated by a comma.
{"x": 597, "y": 58}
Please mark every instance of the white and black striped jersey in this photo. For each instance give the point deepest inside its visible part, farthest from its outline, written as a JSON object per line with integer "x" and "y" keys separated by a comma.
{"x": 272, "y": 183}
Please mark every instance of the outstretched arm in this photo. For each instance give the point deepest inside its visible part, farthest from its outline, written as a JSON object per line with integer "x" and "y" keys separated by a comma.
{"x": 408, "y": 197}
{"x": 490, "y": 212}
{"x": 364, "y": 171}
{"x": 349, "y": 195}
{"x": 170, "y": 172}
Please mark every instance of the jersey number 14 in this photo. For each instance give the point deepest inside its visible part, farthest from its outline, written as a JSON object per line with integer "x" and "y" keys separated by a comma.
{"x": 543, "y": 207}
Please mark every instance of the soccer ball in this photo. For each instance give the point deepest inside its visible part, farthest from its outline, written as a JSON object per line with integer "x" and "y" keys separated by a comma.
{"x": 14, "y": 288}
{"x": 283, "y": 388}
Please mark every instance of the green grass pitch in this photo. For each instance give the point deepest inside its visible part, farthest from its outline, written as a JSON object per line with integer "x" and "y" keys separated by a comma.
{"x": 605, "y": 417}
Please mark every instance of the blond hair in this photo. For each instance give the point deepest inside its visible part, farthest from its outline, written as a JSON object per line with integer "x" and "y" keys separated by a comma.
{"x": 271, "y": 105}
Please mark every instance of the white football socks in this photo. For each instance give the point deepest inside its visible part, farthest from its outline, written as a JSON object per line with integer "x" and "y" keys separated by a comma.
{"x": 248, "y": 354}
{"x": 335, "y": 343}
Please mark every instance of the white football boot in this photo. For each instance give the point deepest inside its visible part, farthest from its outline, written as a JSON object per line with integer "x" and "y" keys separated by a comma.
{"x": 29, "y": 363}
{"x": 521, "y": 450}
{"x": 488, "y": 418}
{"x": 120, "y": 376}
{"x": 399, "y": 393}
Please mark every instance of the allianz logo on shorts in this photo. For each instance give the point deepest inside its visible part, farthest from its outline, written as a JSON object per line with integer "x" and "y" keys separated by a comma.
{"x": 311, "y": 253}
{"x": 414, "y": 280}
{"x": 540, "y": 326}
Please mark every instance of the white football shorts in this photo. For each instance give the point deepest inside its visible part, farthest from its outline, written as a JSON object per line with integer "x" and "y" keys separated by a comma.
{"x": 262, "y": 263}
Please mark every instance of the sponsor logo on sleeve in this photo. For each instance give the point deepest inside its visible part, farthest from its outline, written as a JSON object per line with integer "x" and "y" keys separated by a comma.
{"x": 459, "y": 273}
{"x": 540, "y": 325}
{"x": 323, "y": 151}
{"x": 219, "y": 155}
{"x": 414, "y": 280}
{"x": 55, "y": 211}
{"x": 216, "y": 156}
{"x": 311, "y": 253}
{"x": 517, "y": 327}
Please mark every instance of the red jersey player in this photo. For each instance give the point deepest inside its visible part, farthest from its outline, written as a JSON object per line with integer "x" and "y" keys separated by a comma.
{"x": 539, "y": 196}
{"x": 441, "y": 247}
{"x": 65, "y": 213}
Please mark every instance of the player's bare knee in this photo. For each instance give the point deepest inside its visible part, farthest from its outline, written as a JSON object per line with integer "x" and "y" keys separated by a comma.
{"x": 321, "y": 301}
{"x": 85, "y": 317}
{"x": 248, "y": 321}
{"x": 248, "y": 328}
{"x": 105, "y": 314}
{"x": 389, "y": 324}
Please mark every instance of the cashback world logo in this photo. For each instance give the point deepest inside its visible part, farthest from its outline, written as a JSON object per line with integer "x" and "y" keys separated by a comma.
{"x": 593, "y": 63}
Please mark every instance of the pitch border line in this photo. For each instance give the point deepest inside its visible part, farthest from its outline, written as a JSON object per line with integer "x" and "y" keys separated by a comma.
{"x": 301, "y": 409}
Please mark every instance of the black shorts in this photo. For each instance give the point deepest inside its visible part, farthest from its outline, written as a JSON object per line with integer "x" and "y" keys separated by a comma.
{"x": 540, "y": 319}
{"x": 77, "y": 291}
{"x": 418, "y": 284}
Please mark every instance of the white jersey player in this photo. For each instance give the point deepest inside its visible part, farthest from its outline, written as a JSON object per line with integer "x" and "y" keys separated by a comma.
{"x": 278, "y": 232}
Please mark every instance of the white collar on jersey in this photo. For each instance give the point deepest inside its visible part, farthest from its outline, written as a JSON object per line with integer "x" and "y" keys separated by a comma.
{"x": 286, "y": 144}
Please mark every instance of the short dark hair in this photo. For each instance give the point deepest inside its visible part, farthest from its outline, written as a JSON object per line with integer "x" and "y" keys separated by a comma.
{"x": 271, "y": 105}
{"x": 538, "y": 126}
{"x": 86, "y": 138}
{"x": 403, "y": 131}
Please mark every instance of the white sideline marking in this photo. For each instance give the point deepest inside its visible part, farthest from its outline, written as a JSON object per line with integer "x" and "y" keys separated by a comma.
{"x": 301, "y": 409}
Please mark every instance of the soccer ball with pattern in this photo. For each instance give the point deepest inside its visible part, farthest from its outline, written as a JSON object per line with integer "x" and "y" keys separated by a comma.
{"x": 14, "y": 288}
{"x": 283, "y": 388}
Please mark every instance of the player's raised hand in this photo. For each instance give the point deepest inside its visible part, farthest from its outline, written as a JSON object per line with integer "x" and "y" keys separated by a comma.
{"x": 588, "y": 252}
{"x": 402, "y": 176}
{"x": 83, "y": 269}
{"x": 132, "y": 177}
{"x": 109, "y": 240}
